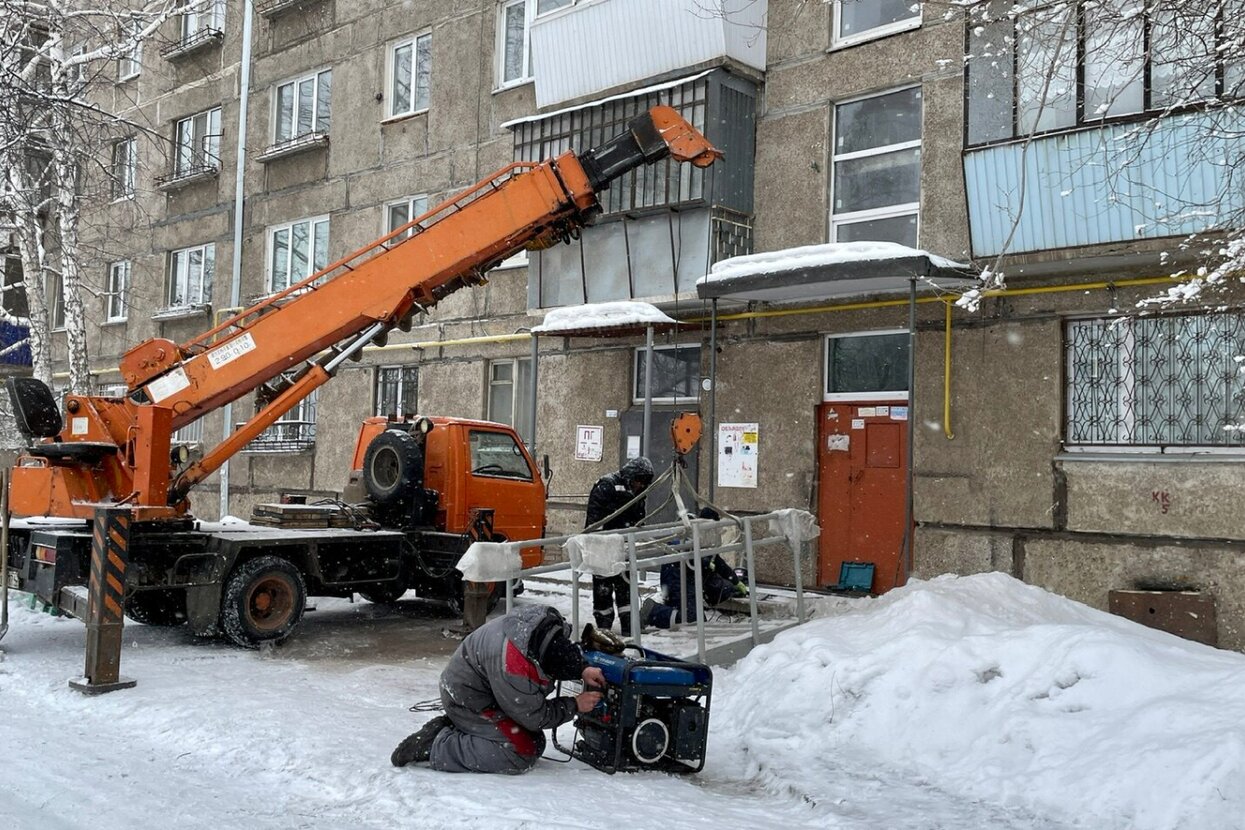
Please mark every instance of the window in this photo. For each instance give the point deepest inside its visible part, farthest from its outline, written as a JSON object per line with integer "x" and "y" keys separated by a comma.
{"x": 124, "y": 167}
{"x": 510, "y": 394}
{"x": 116, "y": 300}
{"x": 192, "y": 433}
{"x": 676, "y": 374}
{"x": 402, "y": 211}
{"x": 867, "y": 366}
{"x": 410, "y": 72}
{"x": 56, "y": 301}
{"x": 497, "y": 454}
{"x": 296, "y": 251}
{"x": 877, "y": 169}
{"x": 1156, "y": 382}
{"x": 14, "y": 292}
{"x": 302, "y": 106}
{"x": 397, "y": 390}
{"x": 198, "y": 143}
{"x": 130, "y": 62}
{"x": 859, "y": 20}
{"x": 514, "y": 42}
{"x": 546, "y": 6}
{"x": 294, "y": 431}
{"x": 206, "y": 19}
{"x": 190, "y": 275}
{"x": 1076, "y": 64}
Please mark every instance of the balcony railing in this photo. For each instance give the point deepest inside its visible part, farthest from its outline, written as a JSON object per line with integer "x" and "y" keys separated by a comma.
{"x": 297, "y": 144}
{"x": 202, "y": 39}
{"x": 272, "y": 9}
{"x": 284, "y": 436}
{"x": 187, "y": 175}
{"x": 731, "y": 232}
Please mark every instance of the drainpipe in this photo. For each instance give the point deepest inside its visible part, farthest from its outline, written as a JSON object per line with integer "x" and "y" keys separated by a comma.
{"x": 713, "y": 398}
{"x": 648, "y": 391}
{"x": 235, "y": 287}
{"x": 534, "y": 378}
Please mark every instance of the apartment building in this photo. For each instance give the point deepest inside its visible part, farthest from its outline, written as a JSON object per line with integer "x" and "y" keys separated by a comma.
{"x": 1047, "y": 441}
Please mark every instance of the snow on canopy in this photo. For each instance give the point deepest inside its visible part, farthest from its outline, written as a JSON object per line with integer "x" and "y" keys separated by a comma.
{"x": 604, "y": 316}
{"x": 813, "y": 256}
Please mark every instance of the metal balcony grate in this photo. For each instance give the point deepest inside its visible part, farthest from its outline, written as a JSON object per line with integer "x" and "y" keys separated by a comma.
{"x": 201, "y": 39}
{"x": 275, "y": 8}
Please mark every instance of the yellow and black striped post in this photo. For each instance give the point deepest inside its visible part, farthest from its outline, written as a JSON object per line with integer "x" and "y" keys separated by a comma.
{"x": 105, "y": 604}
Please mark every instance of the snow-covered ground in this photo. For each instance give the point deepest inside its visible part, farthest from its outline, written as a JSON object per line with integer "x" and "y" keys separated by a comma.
{"x": 969, "y": 702}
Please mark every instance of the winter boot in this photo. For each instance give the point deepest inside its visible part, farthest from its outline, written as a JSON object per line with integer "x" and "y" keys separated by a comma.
{"x": 417, "y": 748}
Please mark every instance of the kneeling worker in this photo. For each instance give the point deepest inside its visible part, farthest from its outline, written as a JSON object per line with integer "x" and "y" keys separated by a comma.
{"x": 494, "y": 690}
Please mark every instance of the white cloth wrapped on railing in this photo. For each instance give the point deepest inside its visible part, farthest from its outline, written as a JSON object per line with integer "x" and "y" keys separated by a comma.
{"x": 797, "y": 525}
{"x": 599, "y": 555}
{"x": 490, "y": 562}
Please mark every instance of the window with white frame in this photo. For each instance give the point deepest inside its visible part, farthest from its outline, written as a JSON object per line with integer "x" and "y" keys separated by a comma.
{"x": 296, "y": 251}
{"x": 397, "y": 390}
{"x": 124, "y": 167}
{"x": 197, "y": 141}
{"x": 876, "y": 169}
{"x": 402, "y": 211}
{"x": 130, "y": 62}
{"x": 293, "y": 431}
{"x": 510, "y": 394}
{"x": 410, "y": 74}
{"x": 676, "y": 374}
{"x": 116, "y": 299}
{"x": 192, "y": 433}
{"x": 302, "y": 106}
{"x": 13, "y": 290}
{"x": 205, "y": 17}
{"x": 866, "y": 366}
{"x": 1158, "y": 382}
{"x": 859, "y": 20}
{"x": 190, "y": 275}
{"x": 514, "y": 58}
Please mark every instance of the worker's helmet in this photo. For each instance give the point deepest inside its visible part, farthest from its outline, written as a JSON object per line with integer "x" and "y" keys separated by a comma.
{"x": 637, "y": 469}
{"x": 550, "y": 645}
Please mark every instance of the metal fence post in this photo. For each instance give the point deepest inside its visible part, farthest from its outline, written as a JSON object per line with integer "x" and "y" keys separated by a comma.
{"x": 105, "y": 615}
{"x": 799, "y": 582}
{"x": 634, "y": 616}
{"x": 699, "y": 577}
{"x": 752, "y": 582}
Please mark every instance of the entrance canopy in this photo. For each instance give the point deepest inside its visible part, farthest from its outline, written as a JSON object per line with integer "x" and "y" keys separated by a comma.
{"x": 839, "y": 269}
{"x": 616, "y": 319}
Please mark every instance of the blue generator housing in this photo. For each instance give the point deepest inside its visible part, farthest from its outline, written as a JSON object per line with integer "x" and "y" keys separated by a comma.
{"x": 654, "y": 714}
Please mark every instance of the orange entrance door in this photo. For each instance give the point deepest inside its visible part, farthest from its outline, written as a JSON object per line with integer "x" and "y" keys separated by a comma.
{"x": 862, "y": 469}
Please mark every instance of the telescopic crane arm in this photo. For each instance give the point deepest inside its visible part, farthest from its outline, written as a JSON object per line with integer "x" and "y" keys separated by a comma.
{"x": 119, "y": 450}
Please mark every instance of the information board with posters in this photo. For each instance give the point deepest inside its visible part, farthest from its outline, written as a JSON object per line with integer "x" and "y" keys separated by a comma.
{"x": 737, "y": 455}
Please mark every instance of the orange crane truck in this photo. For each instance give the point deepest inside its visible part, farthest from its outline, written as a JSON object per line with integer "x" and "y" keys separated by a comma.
{"x": 104, "y": 486}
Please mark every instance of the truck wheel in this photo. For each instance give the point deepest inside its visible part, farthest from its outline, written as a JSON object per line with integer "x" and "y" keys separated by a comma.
{"x": 393, "y": 466}
{"x": 384, "y": 593}
{"x": 160, "y": 608}
{"x": 263, "y": 601}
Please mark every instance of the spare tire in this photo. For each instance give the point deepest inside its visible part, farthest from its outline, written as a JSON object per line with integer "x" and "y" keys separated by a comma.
{"x": 393, "y": 467}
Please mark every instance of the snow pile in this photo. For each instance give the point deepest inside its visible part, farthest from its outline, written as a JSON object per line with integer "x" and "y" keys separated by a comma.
{"x": 991, "y": 689}
{"x": 813, "y": 256}
{"x": 622, "y": 313}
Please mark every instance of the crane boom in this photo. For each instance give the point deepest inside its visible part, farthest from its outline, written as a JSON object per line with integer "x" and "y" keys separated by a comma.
{"x": 292, "y": 342}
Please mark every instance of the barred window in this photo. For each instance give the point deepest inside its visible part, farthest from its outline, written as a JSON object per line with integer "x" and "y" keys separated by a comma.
{"x": 397, "y": 390}
{"x": 1164, "y": 381}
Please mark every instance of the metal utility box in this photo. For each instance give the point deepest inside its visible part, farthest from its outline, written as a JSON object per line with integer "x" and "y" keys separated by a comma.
{"x": 1188, "y": 614}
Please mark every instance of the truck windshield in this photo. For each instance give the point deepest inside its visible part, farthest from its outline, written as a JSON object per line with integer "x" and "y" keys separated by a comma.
{"x": 497, "y": 454}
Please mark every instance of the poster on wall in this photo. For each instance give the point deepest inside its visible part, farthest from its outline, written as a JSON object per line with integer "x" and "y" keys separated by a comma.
{"x": 737, "y": 455}
{"x": 589, "y": 442}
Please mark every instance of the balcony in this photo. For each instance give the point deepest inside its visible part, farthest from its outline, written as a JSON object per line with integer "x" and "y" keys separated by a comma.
{"x": 591, "y": 47}
{"x": 292, "y": 146}
{"x": 1117, "y": 183}
{"x": 203, "y": 39}
{"x": 284, "y": 436}
{"x": 188, "y": 175}
{"x": 273, "y": 9}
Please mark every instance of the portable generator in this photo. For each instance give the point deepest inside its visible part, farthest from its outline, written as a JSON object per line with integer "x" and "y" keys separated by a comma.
{"x": 653, "y": 714}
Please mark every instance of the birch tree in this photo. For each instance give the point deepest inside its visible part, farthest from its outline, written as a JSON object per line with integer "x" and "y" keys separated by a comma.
{"x": 55, "y": 58}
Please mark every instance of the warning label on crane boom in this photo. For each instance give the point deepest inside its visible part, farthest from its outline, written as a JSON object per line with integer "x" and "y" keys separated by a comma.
{"x": 169, "y": 385}
{"x": 231, "y": 351}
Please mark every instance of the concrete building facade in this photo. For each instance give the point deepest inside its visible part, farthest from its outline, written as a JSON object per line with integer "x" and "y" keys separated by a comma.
{"x": 843, "y": 122}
